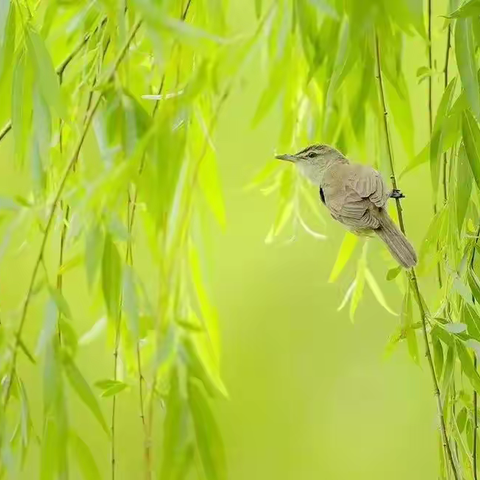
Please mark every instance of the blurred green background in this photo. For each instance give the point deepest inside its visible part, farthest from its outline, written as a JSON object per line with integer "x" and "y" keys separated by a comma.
{"x": 312, "y": 395}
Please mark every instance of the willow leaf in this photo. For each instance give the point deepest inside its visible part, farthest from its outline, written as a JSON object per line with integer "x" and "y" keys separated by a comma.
{"x": 471, "y": 318}
{"x": 448, "y": 370}
{"x": 4, "y": 12}
{"x": 407, "y": 323}
{"x": 420, "y": 159}
{"x": 467, "y": 365}
{"x": 45, "y": 71}
{"x": 463, "y": 187}
{"x": 438, "y": 359}
{"x": 208, "y": 436}
{"x": 111, "y": 277}
{"x": 84, "y": 457}
{"x": 471, "y": 138}
{"x": 438, "y": 133}
{"x": 376, "y": 290}
{"x": 175, "y": 439}
{"x": 359, "y": 284}
{"x": 467, "y": 67}
{"x": 346, "y": 249}
{"x": 468, "y": 9}
{"x": 83, "y": 390}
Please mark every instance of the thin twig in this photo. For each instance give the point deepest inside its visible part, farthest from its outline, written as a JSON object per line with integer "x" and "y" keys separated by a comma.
{"x": 55, "y": 204}
{"x": 61, "y": 68}
{"x": 430, "y": 114}
{"x": 132, "y": 206}
{"x": 445, "y": 83}
{"x": 114, "y": 399}
{"x": 413, "y": 277}
{"x": 475, "y": 396}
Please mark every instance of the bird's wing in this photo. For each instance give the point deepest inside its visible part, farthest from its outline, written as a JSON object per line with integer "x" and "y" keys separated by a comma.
{"x": 368, "y": 183}
{"x": 348, "y": 194}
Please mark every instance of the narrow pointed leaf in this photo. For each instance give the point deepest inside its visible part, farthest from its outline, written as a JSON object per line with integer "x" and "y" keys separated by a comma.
{"x": 83, "y": 390}
{"x": 471, "y": 138}
{"x": 346, "y": 249}
{"x": 467, "y": 67}
{"x": 84, "y": 457}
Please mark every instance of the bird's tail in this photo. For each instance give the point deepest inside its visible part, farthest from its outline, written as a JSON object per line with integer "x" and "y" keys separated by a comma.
{"x": 396, "y": 242}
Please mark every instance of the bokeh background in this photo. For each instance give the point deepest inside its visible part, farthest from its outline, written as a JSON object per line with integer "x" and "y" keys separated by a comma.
{"x": 312, "y": 395}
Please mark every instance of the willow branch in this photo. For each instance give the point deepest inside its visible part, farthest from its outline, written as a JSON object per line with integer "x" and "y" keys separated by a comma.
{"x": 413, "y": 277}
{"x": 430, "y": 112}
{"x": 445, "y": 83}
{"x": 60, "y": 70}
{"x": 475, "y": 396}
{"x": 114, "y": 399}
{"x": 131, "y": 210}
{"x": 53, "y": 208}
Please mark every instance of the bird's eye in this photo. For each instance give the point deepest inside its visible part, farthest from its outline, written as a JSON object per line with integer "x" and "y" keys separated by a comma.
{"x": 312, "y": 154}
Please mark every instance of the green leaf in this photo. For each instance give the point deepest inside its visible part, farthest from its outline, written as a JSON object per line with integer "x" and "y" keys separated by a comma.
{"x": 346, "y": 249}
{"x": 471, "y": 318}
{"x": 474, "y": 284}
{"x": 377, "y": 292}
{"x": 399, "y": 103}
{"x": 82, "y": 389}
{"x": 448, "y": 370}
{"x": 111, "y": 278}
{"x": 93, "y": 252}
{"x": 455, "y": 327}
{"x": 407, "y": 322}
{"x": 45, "y": 71}
{"x": 437, "y": 356}
{"x": 393, "y": 273}
{"x": 201, "y": 367}
{"x": 7, "y": 36}
{"x": 210, "y": 184}
{"x": 438, "y": 133}
{"x": 48, "y": 453}
{"x": 97, "y": 329}
{"x": 467, "y": 67}
{"x": 22, "y": 94}
{"x": 467, "y": 365}
{"x": 84, "y": 457}
{"x": 110, "y": 387}
{"x": 49, "y": 325}
{"x": 347, "y": 296}
{"x": 208, "y": 436}
{"x": 420, "y": 159}
{"x": 359, "y": 283}
{"x": 176, "y": 439}
{"x": 60, "y": 302}
{"x": 462, "y": 419}
{"x": 471, "y": 138}
{"x": 4, "y": 12}
{"x": 130, "y": 302}
{"x": 463, "y": 186}
{"x": 468, "y": 9}
{"x": 462, "y": 290}
{"x": 474, "y": 345}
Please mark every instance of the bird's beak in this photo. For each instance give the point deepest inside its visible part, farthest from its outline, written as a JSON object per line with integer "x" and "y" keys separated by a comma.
{"x": 288, "y": 158}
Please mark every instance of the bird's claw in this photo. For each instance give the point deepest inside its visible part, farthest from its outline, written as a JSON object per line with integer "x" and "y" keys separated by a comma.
{"x": 396, "y": 194}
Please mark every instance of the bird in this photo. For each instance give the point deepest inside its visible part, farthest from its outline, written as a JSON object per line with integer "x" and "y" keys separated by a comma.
{"x": 356, "y": 196}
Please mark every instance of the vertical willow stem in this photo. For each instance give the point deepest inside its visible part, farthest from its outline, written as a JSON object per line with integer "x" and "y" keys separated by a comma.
{"x": 430, "y": 111}
{"x": 114, "y": 400}
{"x": 475, "y": 396}
{"x": 413, "y": 277}
{"x": 445, "y": 83}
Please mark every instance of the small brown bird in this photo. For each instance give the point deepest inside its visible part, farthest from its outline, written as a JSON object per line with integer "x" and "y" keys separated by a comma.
{"x": 356, "y": 196}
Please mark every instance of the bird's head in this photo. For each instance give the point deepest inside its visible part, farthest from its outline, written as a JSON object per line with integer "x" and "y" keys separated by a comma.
{"x": 314, "y": 160}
